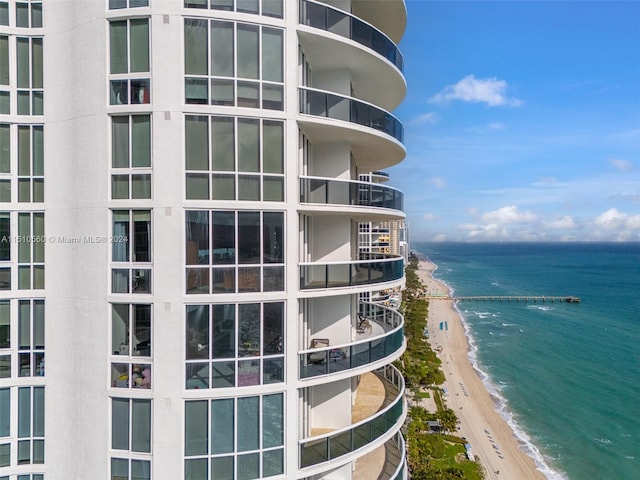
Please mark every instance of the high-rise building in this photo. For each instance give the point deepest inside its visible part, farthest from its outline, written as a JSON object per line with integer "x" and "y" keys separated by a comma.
{"x": 179, "y": 262}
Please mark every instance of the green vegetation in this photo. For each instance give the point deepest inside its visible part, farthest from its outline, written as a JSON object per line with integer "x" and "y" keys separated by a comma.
{"x": 431, "y": 456}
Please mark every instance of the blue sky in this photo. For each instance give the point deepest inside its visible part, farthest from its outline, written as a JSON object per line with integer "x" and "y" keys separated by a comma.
{"x": 522, "y": 120}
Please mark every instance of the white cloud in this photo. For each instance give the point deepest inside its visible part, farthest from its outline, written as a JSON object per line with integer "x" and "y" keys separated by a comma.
{"x": 491, "y": 91}
{"x": 429, "y": 217}
{"x": 613, "y": 219}
{"x": 429, "y": 117}
{"x": 622, "y": 165}
{"x": 565, "y": 222}
{"x": 509, "y": 214}
{"x": 437, "y": 182}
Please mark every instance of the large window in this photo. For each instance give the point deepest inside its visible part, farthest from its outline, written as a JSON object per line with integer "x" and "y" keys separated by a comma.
{"x": 29, "y": 13}
{"x": 5, "y": 254}
{"x": 234, "y": 345}
{"x": 30, "y": 163}
{"x": 29, "y": 75}
{"x": 131, "y": 251}
{"x": 5, "y": 104}
{"x": 129, "y": 61}
{"x": 131, "y": 433}
{"x": 31, "y": 337}
{"x": 116, "y": 4}
{"x": 5, "y": 341}
{"x": 131, "y": 345}
{"x": 231, "y": 158}
{"x": 5, "y": 162}
{"x": 30, "y": 425}
{"x": 234, "y": 251}
{"x": 131, "y": 156}
{"x": 234, "y": 438}
{"x": 31, "y": 250}
{"x": 269, "y": 8}
{"x": 233, "y": 64}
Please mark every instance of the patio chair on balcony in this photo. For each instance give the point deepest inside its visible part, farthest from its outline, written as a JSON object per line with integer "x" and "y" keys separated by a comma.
{"x": 364, "y": 325}
{"x": 318, "y": 357}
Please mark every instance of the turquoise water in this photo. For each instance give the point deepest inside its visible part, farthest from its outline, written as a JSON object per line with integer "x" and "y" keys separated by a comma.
{"x": 566, "y": 376}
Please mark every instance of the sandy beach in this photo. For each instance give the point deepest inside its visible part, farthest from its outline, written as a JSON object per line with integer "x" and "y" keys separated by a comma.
{"x": 492, "y": 440}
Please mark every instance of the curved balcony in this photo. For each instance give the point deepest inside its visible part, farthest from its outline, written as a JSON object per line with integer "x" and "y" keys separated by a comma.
{"x": 374, "y": 135}
{"x": 329, "y": 191}
{"x": 321, "y": 103}
{"x": 364, "y": 351}
{"x": 390, "y": 16}
{"x": 386, "y": 462}
{"x": 324, "y": 17}
{"x": 372, "y": 268}
{"x": 380, "y": 426}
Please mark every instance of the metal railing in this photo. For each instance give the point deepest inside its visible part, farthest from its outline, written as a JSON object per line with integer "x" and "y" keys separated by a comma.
{"x": 370, "y": 269}
{"x": 341, "y": 23}
{"x": 321, "y": 103}
{"x": 323, "y": 448}
{"x": 338, "y": 358}
{"x": 349, "y": 192}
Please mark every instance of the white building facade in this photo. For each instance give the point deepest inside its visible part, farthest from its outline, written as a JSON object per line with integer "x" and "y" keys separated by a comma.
{"x": 179, "y": 264}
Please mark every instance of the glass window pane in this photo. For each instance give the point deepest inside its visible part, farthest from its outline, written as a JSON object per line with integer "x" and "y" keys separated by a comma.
{"x": 273, "y": 188}
{"x": 272, "y": 421}
{"x": 196, "y": 91}
{"x": 273, "y": 237}
{"x": 222, "y": 420}
{"x": 139, "y": 45}
{"x": 120, "y": 250}
{"x": 38, "y": 324}
{"x": 197, "y": 335}
{"x": 248, "y": 57}
{"x": 24, "y": 324}
{"x": 120, "y": 142}
{"x": 141, "y": 236}
{"x": 5, "y": 191}
{"x": 222, "y": 51}
{"x": 248, "y": 424}
{"x": 272, "y": 47}
{"x": 24, "y": 412}
{"x": 222, "y": 468}
{"x": 222, "y": 92}
{"x": 22, "y": 15}
{"x": 197, "y": 186}
{"x": 4, "y": 13}
{"x": 140, "y": 470}
{"x": 141, "y": 141}
{"x": 249, "y": 237}
{"x": 272, "y": 463}
{"x": 22, "y": 53}
{"x": 196, "y": 469}
{"x": 36, "y": 15}
{"x": 5, "y": 412}
{"x": 273, "y": 328}
{"x": 248, "y": 6}
{"x": 196, "y": 428}
{"x": 195, "y": 45}
{"x": 222, "y": 143}
{"x": 273, "y": 147}
{"x": 224, "y": 331}
{"x": 196, "y": 142}
{"x": 4, "y": 60}
{"x": 224, "y": 187}
{"x": 223, "y": 237}
{"x": 140, "y": 186}
{"x": 38, "y": 412}
{"x": 120, "y": 423}
{"x": 36, "y": 63}
{"x": 120, "y": 329}
{"x": 141, "y": 426}
{"x": 248, "y": 145}
{"x": 142, "y": 330}
{"x": 248, "y": 94}
{"x": 272, "y": 97}
{"x": 119, "y": 467}
{"x": 272, "y": 8}
{"x": 119, "y": 186}
{"x": 5, "y": 103}
{"x": 5, "y": 148}
{"x": 38, "y": 151}
{"x": 119, "y": 94}
{"x": 249, "y": 466}
{"x": 248, "y": 187}
{"x": 118, "y": 47}
{"x": 24, "y": 150}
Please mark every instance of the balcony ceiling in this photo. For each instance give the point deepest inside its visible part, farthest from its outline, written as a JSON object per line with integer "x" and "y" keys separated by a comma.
{"x": 371, "y": 149}
{"x": 390, "y": 16}
{"x": 373, "y": 79}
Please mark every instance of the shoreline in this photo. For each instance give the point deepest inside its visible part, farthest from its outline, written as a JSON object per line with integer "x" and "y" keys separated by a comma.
{"x": 493, "y": 440}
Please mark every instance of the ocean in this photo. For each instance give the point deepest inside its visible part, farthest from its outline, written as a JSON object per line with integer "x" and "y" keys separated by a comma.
{"x": 566, "y": 376}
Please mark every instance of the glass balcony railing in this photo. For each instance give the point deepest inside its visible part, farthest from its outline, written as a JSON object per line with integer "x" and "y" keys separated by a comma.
{"x": 323, "y": 448}
{"x": 338, "y": 358}
{"x": 349, "y": 192}
{"x": 370, "y": 269}
{"x": 341, "y": 23}
{"x": 329, "y": 105}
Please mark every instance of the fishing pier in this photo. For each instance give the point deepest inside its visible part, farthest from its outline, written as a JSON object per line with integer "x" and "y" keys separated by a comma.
{"x": 508, "y": 298}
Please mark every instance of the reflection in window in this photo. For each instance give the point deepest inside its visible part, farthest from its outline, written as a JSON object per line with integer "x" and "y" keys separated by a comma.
{"x": 236, "y": 434}
{"x": 268, "y": 8}
{"x": 234, "y": 345}
{"x": 244, "y": 67}
{"x": 234, "y": 158}
{"x": 244, "y": 249}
